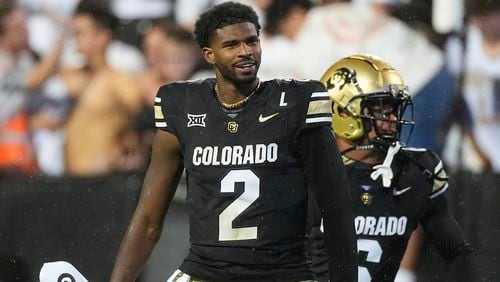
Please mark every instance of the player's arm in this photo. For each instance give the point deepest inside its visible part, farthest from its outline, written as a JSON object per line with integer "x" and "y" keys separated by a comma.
{"x": 409, "y": 263}
{"x": 327, "y": 178}
{"x": 145, "y": 228}
{"x": 445, "y": 234}
{"x": 316, "y": 240}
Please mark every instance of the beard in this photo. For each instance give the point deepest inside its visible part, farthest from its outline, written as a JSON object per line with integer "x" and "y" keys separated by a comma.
{"x": 229, "y": 74}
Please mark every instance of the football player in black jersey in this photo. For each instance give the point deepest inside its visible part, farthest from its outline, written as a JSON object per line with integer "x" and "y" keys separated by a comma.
{"x": 250, "y": 149}
{"x": 393, "y": 188}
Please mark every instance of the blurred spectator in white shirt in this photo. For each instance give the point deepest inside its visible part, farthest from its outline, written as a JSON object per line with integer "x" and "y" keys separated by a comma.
{"x": 475, "y": 147}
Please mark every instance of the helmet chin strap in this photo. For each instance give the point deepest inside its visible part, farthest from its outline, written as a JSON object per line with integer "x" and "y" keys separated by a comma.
{"x": 384, "y": 169}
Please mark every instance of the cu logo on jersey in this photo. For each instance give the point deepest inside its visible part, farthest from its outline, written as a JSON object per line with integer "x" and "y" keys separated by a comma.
{"x": 340, "y": 78}
{"x": 196, "y": 120}
{"x": 232, "y": 127}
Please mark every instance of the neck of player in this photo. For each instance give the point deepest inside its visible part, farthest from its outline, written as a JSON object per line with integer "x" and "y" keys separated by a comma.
{"x": 370, "y": 156}
{"x": 230, "y": 93}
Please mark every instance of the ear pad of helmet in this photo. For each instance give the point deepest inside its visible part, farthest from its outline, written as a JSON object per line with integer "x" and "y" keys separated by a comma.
{"x": 346, "y": 125}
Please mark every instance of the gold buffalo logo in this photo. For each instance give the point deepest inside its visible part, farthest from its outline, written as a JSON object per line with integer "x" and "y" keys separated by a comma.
{"x": 340, "y": 78}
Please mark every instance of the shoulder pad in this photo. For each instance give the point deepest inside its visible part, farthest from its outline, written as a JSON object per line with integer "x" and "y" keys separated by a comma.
{"x": 432, "y": 167}
{"x": 308, "y": 83}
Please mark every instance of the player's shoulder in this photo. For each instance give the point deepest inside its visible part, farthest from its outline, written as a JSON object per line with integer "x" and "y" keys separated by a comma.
{"x": 306, "y": 99}
{"x": 185, "y": 88}
{"x": 423, "y": 156}
{"x": 431, "y": 166}
{"x": 300, "y": 86}
{"x": 302, "y": 92}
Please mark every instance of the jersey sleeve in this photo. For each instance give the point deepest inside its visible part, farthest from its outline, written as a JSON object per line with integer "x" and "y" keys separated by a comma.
{"x": 316, "y": 241}
{"x": 327, "y": 179}
{"x": 440, "y": 182}
{"x": 319, "y": 110}
{"x": 445, "y": 234}
{"x": 434, "y": 169}
{"x": 440, "y": 226}
{"x": 163, "y": 111}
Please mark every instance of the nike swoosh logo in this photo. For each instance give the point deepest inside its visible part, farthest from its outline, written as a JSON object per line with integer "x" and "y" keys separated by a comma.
{"x": 266, "y": 118}
{"x": 396, "y": 192}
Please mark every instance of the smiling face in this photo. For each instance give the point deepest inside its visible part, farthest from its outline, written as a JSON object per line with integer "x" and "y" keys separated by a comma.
{"x": 235, "y": 52}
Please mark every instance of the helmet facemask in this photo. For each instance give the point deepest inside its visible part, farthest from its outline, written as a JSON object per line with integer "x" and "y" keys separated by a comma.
{"x": 385, "y": 113}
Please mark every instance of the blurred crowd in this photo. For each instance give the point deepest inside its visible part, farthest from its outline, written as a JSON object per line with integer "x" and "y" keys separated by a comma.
{"x": 78, "y": 77}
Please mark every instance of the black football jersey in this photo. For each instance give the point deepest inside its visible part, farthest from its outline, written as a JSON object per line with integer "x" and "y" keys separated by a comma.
{"x": 386, "y": 217}
{"x": 247, "y": 194}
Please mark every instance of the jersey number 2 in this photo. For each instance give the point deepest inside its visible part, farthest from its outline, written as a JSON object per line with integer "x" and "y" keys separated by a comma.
{"x": 251, "y": 191}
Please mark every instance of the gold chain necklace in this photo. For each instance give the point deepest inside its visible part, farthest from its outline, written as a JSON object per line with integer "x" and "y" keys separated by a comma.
{"x": 233, "y": 105}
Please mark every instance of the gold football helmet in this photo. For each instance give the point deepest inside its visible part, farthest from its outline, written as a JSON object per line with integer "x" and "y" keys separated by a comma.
{"x": 365, "y": 89}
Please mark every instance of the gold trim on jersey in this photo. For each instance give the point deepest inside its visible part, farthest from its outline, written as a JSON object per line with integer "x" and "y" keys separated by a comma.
{"x": 441, "y": 173}
{"x": 158, "y": 112}
{"x": 347, "y": 160}
{"x": 320, "y": 107}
